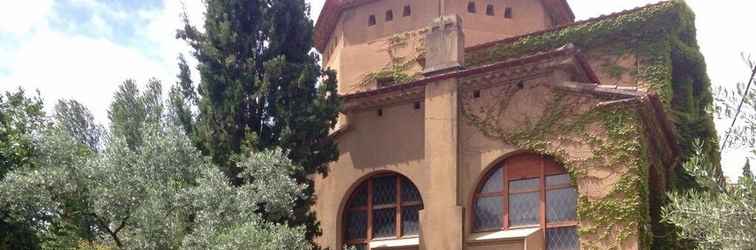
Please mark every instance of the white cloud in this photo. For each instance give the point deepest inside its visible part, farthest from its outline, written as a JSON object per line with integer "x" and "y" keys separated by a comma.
{"x": 89, "y": 69}
{"x": 86, "y": 69}
{"x": 23, "y": 16}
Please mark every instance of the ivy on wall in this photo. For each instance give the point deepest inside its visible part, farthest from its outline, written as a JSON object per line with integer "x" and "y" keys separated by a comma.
{"x": 571, "y": 120}
{"x": 662, "y": 38}
{"x": 399, "y": 68}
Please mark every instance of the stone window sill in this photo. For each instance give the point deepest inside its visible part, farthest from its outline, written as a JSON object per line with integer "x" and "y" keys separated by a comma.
{"x": 394, "y": 243}
{"x": 505, "y": 235}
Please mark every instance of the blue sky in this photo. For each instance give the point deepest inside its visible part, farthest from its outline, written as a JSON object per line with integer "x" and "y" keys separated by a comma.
{"x": 82, "y": 49}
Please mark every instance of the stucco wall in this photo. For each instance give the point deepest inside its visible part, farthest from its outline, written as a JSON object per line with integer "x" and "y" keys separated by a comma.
{"x": 396, "y": 141}
{"x": 361, "y": 48}
{"x": 399, "y": 139}
{"x": 479, "y": 152}
{"x": 391, "y": 142}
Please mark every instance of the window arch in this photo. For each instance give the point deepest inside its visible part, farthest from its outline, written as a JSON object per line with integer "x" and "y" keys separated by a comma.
{"x": 383, "y": 206}
{"x": 528, "y": 191}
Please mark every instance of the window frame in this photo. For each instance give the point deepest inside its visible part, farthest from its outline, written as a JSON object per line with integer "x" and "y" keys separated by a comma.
{"x": 389, "y": 16}
{"x": 490, "y": 10}
{"x": 369, "y": 209}
{"x": 471, "y": 7}
{"x": 407, "y": 11}
{"x": 541, "y": 174}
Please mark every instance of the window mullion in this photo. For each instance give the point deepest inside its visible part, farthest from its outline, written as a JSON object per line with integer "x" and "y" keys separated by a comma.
{"x": 370, "y": 211}
{"x": 543, "y": 201}
{"x": 398, "y": 224}
{"x": 505, "y": 197}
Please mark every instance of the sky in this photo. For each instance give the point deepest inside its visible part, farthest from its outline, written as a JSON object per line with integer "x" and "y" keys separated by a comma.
{"x": 83, "y": 49}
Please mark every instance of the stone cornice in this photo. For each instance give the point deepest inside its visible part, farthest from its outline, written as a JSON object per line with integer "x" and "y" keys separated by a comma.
{"x": 531, "y": 66}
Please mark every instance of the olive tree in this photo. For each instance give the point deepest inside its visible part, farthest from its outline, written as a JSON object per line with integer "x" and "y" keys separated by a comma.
{"x": 149, "y": 188}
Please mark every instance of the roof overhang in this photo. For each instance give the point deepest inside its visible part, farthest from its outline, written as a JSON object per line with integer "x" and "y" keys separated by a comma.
{"x": 648, "y": 105}
{"x": 567, "y": 58}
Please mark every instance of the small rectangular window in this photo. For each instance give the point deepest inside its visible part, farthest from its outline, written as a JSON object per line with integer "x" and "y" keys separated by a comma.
{"x": 407, "y": 11}
{"x": 371, "y": 20}
{"x": 490, "y": 10}
{"x": 471, "y": 7}
{"x": 389, "y": 16}
{"x": 508, "y": 12}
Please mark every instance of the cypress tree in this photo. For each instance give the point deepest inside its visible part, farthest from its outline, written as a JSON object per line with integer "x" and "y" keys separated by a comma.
{"x": 182, "y": 97}
{"x": 261, "y": 87}
{"x": 747, "y": 169}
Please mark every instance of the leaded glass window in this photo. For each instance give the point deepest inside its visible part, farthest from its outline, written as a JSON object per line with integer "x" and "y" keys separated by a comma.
{"x": 488, "y": 213}
{"x": 384, "y": 206}
{"x": 562, "y": 238}
{"x": 529, "y": 191}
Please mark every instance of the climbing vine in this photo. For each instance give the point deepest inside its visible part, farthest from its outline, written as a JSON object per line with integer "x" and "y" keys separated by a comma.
{"x": 662, "y": 39}
{"x": 611, "y": 133}
{"x": 399, "y": 68}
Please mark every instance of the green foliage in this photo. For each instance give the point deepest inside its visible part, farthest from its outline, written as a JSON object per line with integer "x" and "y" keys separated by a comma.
{"x": 229, "y": 216}
{"x": 183, "y": 98}
{"x": 260, "y": 85}
{"x": 21, "y": 117}
{"x": 261, "y": 88}
{"x": 131, "y": 109}
{"x": 719, "y": 216}
{"x": 743, "y": 133}
{"x": 663, "y": 37}
{"x": 395, "y": 71}
{"x": 570, "y": 120}
{"x": 159, "y": 193}
{"x": 75, "y": 118}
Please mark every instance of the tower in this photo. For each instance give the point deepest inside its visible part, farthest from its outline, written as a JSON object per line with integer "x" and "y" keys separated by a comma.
{"x": 364, "y": 38}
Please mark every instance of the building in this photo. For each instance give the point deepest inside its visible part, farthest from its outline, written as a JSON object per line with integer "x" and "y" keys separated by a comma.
{"x": 505, "y": 124}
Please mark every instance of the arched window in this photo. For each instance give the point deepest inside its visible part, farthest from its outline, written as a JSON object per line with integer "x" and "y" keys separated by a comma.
{"x": 389, "y": 15}
{"x": 529, "y": 191}
{"x": 382, "y": 207}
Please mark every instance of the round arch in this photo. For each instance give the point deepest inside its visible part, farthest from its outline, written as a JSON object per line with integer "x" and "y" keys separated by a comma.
{"x": 380, "y": 205}
{"x": 527, "y": 190}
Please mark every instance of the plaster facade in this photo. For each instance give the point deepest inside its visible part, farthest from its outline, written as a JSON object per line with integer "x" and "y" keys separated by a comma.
{"x": 354, "y": 47}
{"x": 447, "y": 129}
